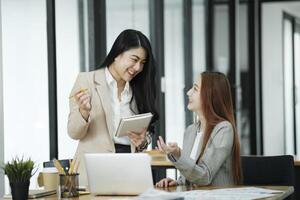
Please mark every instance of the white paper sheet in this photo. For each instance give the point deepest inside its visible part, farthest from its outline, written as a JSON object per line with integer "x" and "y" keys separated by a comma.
{"x": 243, "y": 193}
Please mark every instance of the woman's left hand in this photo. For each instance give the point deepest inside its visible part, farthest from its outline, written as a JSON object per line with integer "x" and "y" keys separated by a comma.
{"x": 137, "y": 138}
{"x": 170, "y": 148}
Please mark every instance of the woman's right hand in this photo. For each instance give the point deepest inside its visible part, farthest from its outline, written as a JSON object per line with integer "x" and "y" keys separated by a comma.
{"x": 83, "y": 100}
{"x": 166, "y": 182}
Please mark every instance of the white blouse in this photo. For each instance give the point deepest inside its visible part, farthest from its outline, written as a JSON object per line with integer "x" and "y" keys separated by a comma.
{"x": 196, "y": 146}
{"x": 120, "y": 108}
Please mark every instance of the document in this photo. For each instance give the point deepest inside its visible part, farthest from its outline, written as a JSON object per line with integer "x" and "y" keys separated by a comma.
{"x": 134, "y": 123}
{"x": 154, "y": 194}
{"x": 245, "y": 193}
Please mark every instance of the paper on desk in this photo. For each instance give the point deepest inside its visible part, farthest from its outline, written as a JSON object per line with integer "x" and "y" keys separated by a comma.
{"x": 159, "y": 194}
{"x": 242, "y": 193}
{"x": 255, "y": 190}
{"x": 245, "y": 193}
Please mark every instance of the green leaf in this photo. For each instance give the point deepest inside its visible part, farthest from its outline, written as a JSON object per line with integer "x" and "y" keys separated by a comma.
{"x": 19, "y": 170}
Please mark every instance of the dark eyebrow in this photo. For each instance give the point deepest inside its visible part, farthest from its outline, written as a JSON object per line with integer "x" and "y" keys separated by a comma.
{"x": 138, "y": 57}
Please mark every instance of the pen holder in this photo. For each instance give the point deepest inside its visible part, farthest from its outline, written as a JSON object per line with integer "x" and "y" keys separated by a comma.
{"x": 68, "y": 185}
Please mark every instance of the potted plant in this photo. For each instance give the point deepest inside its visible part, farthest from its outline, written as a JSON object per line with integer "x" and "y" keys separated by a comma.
{"x": 19, "y": 172}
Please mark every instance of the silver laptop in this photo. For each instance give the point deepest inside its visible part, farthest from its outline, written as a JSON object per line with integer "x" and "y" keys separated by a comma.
{"x": 118, "y": 174}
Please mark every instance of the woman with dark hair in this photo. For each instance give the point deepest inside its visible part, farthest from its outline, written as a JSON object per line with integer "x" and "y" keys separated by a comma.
{"x": 124, "y": 85}
{"x": 211, "y": 148}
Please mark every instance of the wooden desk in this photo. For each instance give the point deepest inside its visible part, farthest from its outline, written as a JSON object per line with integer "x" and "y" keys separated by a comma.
{"x": 159, "y": 160}
{"x": 162, "y": 163}
{"x": 288, "y": 190}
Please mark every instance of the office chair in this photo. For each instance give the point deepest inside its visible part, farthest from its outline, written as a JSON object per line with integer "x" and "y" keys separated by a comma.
{"x": 268, "y": 170}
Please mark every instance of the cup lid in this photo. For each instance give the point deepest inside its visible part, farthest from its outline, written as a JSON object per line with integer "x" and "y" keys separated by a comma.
{"x": 50, "y": 170}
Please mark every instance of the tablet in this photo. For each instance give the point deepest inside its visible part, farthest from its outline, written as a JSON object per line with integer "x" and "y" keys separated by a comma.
{"x": 135, "y": 123}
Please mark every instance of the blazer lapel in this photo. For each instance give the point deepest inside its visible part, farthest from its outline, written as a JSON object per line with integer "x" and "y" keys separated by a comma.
{"x": 191, "y": 139}
{"x": 199, "y": 147}
{"x": 103, "y": 91}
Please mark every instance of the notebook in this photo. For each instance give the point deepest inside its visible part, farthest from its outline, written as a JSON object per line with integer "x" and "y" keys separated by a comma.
{"x": 134, "y": 123}
{"x": 118, "y": 173}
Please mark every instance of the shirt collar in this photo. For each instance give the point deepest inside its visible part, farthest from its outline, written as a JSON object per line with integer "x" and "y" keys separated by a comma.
{"x": 110, "y": 80}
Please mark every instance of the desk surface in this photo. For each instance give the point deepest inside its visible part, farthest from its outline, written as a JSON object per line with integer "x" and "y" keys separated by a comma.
{"x": 287, "y": 191}
{"x": 162, "y": 163}
{"x": 159, "y": 159}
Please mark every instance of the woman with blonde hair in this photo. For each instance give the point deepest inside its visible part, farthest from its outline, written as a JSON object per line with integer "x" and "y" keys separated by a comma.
{"x": 211, "y": 148}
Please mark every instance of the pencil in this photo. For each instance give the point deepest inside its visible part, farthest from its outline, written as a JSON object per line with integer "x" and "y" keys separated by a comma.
{"x": 77, "y": 163}
{"x": 81, "y": 90}
{"x": 72, "y": 166}
{"x": 58, "y": 166}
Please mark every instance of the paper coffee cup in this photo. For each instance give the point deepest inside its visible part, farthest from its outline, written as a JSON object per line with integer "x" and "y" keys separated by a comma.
{"x": 48, "y": 178}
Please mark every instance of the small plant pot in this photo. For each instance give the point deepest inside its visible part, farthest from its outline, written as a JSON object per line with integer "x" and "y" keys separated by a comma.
{"x": 19, "y": 190}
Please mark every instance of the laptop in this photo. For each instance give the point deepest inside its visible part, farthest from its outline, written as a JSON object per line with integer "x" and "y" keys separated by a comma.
{"x": 118, "y": 174}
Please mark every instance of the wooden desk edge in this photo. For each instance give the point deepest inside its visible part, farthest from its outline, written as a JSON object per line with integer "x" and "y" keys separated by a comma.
{"x": 288, "y": 190}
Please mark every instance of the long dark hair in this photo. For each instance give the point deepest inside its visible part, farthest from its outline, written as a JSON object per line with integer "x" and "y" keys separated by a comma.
{"x": 216, "y": 105}
{"x": 144, "y": 84}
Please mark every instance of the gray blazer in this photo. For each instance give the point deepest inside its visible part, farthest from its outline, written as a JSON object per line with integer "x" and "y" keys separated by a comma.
{"x": 214, "y": 168}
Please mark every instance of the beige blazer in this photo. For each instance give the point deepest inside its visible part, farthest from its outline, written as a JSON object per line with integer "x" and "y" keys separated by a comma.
{"x": 96, "y": 134}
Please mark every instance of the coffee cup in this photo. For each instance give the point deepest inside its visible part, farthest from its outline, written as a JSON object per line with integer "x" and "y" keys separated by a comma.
{"x": 48, "y": 178}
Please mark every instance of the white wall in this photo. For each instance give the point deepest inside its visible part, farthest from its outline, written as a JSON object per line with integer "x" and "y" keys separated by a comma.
{"x": 221, "y": 38}
{"x": 174, "y": 71}
{"x": 1, "y": 115}
{"x": 68, "y": 66}
{"x": 129, "y": 14}
{"x": 25, "y": 81}
{"x": 198, "y": 38}
{"x": 272, "y": 74}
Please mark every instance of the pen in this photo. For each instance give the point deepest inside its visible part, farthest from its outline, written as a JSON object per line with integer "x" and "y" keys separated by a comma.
{"x": 71, "y": 170}
{"x": 58, "y": 166}
{"x": 81, "y": 90}
{"x": 76, "y": 165}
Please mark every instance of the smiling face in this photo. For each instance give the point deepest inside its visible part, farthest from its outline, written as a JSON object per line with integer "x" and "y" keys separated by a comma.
{"x": 194, "y": 97}
{"x": 128, "y": 64}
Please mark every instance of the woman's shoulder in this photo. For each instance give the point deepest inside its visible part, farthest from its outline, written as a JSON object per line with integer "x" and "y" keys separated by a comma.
{"x": 223, "y": 134}
{"x": 90, "y": 75}
{"x": 84, "y": 75}
{"x": 224, "y": 126}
